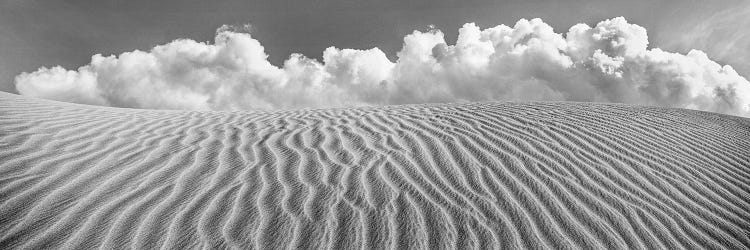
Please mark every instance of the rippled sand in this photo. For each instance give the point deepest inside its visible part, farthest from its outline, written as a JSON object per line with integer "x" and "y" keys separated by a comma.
{"x": 480, "y": 175}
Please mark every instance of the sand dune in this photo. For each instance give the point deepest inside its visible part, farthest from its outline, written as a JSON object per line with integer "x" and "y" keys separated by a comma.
{"x": 480, "y": 175}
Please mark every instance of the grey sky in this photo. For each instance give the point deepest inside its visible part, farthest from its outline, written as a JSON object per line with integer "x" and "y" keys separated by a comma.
{"x": 48, "y": 33}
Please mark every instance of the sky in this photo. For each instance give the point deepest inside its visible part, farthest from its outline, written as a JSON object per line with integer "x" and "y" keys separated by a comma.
{"x": 35, "y": 34}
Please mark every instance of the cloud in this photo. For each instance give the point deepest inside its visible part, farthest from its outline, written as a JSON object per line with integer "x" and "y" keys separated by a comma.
{"x": 723, "y": 35}
{"x": 610, "y": 62}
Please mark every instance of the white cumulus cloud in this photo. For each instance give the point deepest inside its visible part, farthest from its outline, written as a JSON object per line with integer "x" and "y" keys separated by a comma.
{"x": 610, "y": 62}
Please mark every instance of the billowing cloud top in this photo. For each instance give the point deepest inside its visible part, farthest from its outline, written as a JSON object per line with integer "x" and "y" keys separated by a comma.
{"x": 529, "y": 61}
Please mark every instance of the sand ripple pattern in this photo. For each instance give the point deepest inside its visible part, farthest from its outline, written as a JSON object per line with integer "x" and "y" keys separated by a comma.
{"x": 448, "y": 176}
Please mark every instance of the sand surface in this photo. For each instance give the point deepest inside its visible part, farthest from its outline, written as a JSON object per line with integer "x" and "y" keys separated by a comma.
{"x": 481, "y": 175}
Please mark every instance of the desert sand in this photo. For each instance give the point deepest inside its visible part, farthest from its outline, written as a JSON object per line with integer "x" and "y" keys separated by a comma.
{"x": 471, "y": 175}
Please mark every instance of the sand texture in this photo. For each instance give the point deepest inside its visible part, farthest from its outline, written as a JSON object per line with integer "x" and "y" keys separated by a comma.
{"x": 479, "y": 175}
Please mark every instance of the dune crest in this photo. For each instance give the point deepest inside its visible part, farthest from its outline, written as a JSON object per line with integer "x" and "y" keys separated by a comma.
{"x": 478, "y": 175}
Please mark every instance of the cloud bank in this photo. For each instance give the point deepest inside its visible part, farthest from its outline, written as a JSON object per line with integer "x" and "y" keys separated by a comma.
{"x": 610, "y": 62}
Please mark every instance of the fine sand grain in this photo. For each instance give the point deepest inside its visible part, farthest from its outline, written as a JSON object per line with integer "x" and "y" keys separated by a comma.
{"x": 479, "y": 175}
